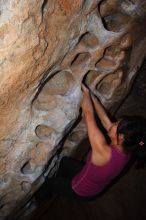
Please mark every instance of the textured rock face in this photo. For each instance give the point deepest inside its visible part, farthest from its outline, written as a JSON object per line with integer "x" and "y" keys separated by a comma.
{"x": 46, "y": 49}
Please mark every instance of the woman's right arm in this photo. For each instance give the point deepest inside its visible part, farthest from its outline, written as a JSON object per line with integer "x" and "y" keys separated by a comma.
{"x": 106, "y": 122}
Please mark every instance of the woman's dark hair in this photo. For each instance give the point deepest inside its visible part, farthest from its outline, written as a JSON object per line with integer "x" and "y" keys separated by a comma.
{"x": 134, "y": 130}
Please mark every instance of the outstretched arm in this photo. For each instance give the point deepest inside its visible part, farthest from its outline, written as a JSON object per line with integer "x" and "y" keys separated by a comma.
{"x": 106, "y": 122}
{"x": 96, "y": 137}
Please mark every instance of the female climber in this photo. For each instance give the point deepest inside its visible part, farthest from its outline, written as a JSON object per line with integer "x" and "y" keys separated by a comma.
{"x": 105, "y": 161}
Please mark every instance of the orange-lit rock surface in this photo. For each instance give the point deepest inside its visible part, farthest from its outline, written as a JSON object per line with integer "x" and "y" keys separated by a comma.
{"x": 47, "y": 47}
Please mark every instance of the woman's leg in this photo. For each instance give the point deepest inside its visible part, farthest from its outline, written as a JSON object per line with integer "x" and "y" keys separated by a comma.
{"x": 61, "y": 184}
{"x": 54, "y": 185}
{"x": 69, "y": 167}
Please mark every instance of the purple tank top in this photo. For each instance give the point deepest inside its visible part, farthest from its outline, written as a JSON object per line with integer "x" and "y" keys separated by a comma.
{"x": 92, "y": 179}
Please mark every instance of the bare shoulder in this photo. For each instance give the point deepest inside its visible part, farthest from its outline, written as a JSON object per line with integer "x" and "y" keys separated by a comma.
{"x": 101, "y": 157}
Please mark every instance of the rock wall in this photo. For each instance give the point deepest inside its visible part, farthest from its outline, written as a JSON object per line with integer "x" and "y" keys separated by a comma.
{"x": 47, "y": 47}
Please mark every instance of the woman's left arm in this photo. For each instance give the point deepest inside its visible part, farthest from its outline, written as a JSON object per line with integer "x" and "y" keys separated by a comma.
{"x": 96, "y": 137}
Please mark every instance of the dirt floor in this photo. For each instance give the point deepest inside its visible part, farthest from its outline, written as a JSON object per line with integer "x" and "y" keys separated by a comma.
{"x": 126, "y": 199}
